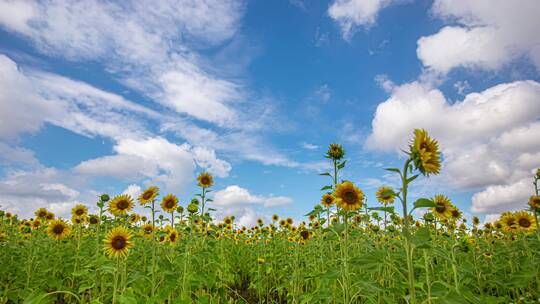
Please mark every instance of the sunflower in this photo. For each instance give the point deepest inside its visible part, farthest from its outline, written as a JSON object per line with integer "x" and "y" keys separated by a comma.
{"x": 444, "y": 207}
{"x": 169, "y": 203}
{"x": 327, "y": 200}
{"x": 275, "y": 218}
{"x": 348, "y": 196}
{"x": 508, "y": 222}
{"x": 205, "y": 180}
{"x": 425, "y": 153}
{"x": 41, "y": 213}
{"x": 455, "y": 214}
{"x": 93, "y": 219}
{"x": 147, "y": 229}
{"x": 134, "y": 218}
{"x": 58, "y": 229}
{"x": 289, "y": 221}
{"x": 385, "y": 195}
{"x": 148, "y": 195}
{"x": 120, "y": 204}
{"x": 534, "y": 202}
{"x": 79, "y": 211}
{"x": 525, "y": 221}
{"x": 49, "y": 216}
{"x": 173, "y": 236}
{"x": 335, "y": 152}
{"x": 118, "y": 242}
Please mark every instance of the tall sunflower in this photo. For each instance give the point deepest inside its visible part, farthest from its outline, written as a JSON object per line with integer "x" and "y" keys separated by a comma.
{"x": 148, "y": 195}
{"x": 205, "y": 180}
{"x": 425, "y": 153}
{"x": 385, "y": 195}
{"x": 120, "y": 204}
{"x": 335, "y": 152}
{"x": 444, "y": 207}
{"x": 327, "y": 200}
{"x": 79, "y": 211}
{"x": 525, "y": 221}
{"x": 348, "y": 196}
{"x": 169, "y": 203}
{"x": 118, "y": 242}
{"x": 58, "y": 229}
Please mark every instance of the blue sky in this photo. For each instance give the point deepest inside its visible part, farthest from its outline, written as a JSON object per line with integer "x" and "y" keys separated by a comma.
{"x": 99, "y": 97}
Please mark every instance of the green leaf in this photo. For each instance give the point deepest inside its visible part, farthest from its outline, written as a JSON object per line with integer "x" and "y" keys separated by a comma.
{"x": 325, "y": 174}
{"x": 393, "y": 170}
{"x": 387, "y": 209}
{"x": 326, "y": 188}
{"x": 410, "y": 179}
{"x": 342, "y": 165}
{"x": 424, "y": 203}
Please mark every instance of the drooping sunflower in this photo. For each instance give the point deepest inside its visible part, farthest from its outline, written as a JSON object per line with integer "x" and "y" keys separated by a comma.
{"x": 58, "y": 229}
{"x": 79, "y": 211}
{"x": 148, "y": 195}
{"x": 120, "y": 204}
{"x": 118, "y": 242}
{"x": 509, "y": 222}
{"x": 205, "y": 180}
{"x": 328, "y": 200}
{"x": 425, "y": 153}
{"x": 534, "y": 202}
{"x": 385, "y": 195}
{"x": 169, "y": 203}
{"x": 348, "y": 196}
{"x": 525, "y": 221}
{"x": 41, "y": 213}
{"x": 444, "y": 207}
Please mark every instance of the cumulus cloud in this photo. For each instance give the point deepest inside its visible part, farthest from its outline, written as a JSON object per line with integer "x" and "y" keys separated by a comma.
{"x": 485, "y": 34}
{"x": 236, "y": 195}
{"x": 488, "y": 138}
{"x": 500, "y": 198}
{"x": 350, "y": 14}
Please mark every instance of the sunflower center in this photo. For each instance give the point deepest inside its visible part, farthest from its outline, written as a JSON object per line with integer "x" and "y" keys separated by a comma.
{"x": 441, "y": 208}
{"x": 304, "y": 234}
{"x": 93, "y": 220}
{"x": 205, "y": 181}
{"x": 350, "y": 197}
{"x": 118, "y": 242}
{"x": 172, "y": 237}
{"x": 79, "y": 212}
{"x": 328, "y": 200}
{"x": 42, "y": 214}
{"x": 455, "y": 213}
{"x": 123, "y": 204}
{"x": 58, "y": 229}
{"x": 169, "y": 203}
{"x": 147, "y": 195}
{"x": 525, "y": 223}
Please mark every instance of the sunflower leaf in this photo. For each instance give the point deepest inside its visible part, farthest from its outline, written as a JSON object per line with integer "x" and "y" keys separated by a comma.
{"x": 424, "y": 203}
{"x": 325, "y": 174}
{"x": 393, "y": 170}
{"x": 342, "y": 165}
{"x": 410, "y": 179}
{"x": 387, "y": 209}
{"x": 326, "y": 188}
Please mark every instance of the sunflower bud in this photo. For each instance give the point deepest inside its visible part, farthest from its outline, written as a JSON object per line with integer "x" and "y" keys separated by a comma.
{"x": 335, "y": 152}
{"x": 538, "y": 173}
{"x": 104, "y": 198}
{"x": 192, "y": 208}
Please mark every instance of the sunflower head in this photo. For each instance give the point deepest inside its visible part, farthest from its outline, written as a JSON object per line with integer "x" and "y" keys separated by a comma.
{"x": 335, "y": 152}
{"x": 525, "y": 221}
{"x": 120, "y": 204}
{"x": 328, "y": 200}
{"x": 538, "y": 173}
{"x": 93, "y": 219}
{"x": 424, "y": 152}
{"x": 205, "y": 180}
{"x": 169, "y": 203}
{"x": 41, "y": 213}
{"x": 58, "y": 229}
{"x": 348, "y": 196}
{"x": 475, "y": 220}
{"x": 172, "y": 236}
{"x": 534, "y": 202}
{"x": 147, "y": 229}
{"x": 275, "y": 218}
{"x": 148, "y": 195}
{"x": 118, "y": 242}
{"x": 509, "y": 222}
{"x": 444, "y": 207}
{"x": 79, "y": 211}
{"x": 385, "y": 195}
{"x": 49, "y": 216}
{"x": 134, "y": 218}
{"x": 455, "y": 214}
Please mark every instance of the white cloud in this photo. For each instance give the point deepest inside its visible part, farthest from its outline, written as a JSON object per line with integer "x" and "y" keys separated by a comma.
{"x": 488, "y": 34}
{"x": 236, "y": 195}
{"x": 503, "y": 197}
{"x": 133, "y": 190}
{"x": 385, "y": 83}
{"x": 309, "y": 146}
{"x": 350, "y": 14}
{"x": 207, "y": 159}
{"x": 15, "y": 155}
{"x": 323, "y": 93}
{"x": 489, "y": 139}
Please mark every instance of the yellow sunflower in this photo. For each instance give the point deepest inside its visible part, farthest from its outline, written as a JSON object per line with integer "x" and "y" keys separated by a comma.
{"x": 148, "y": 195}
{"x": 120, "y": 204}
{"x": 348, "y": 196}
{"x": 327, "y": 200}
{"x": 173, "y": 236}
{"x": 49, "y": 216}
{"x": 385, "y": 195}
{"x": 169, "y": 203}
{"x": 335, "y": 152}
{"x": 534, "y": 202}
{"x": 93, "y": 219}
{"x": 41, "y": 213}
{"x": 118, "y": 242}
{"x": 525, "y": 221}
{"x": 444, "y": 207}
{"x": 147, "y": 229}
{"x": 205, "y": 180}
{"x": 509, "y": 222}
{"x": 58, "y": 229}
{"x": 79, "y": 211}
{"x": 425, "y": 153}
{"x": 455, "y": 214}
{"x": 275, "y": 218}
{"x": 134, "y": 218}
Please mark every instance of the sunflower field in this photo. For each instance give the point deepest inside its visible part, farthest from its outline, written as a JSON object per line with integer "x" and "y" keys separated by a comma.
{"x": 344, "y": 252}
